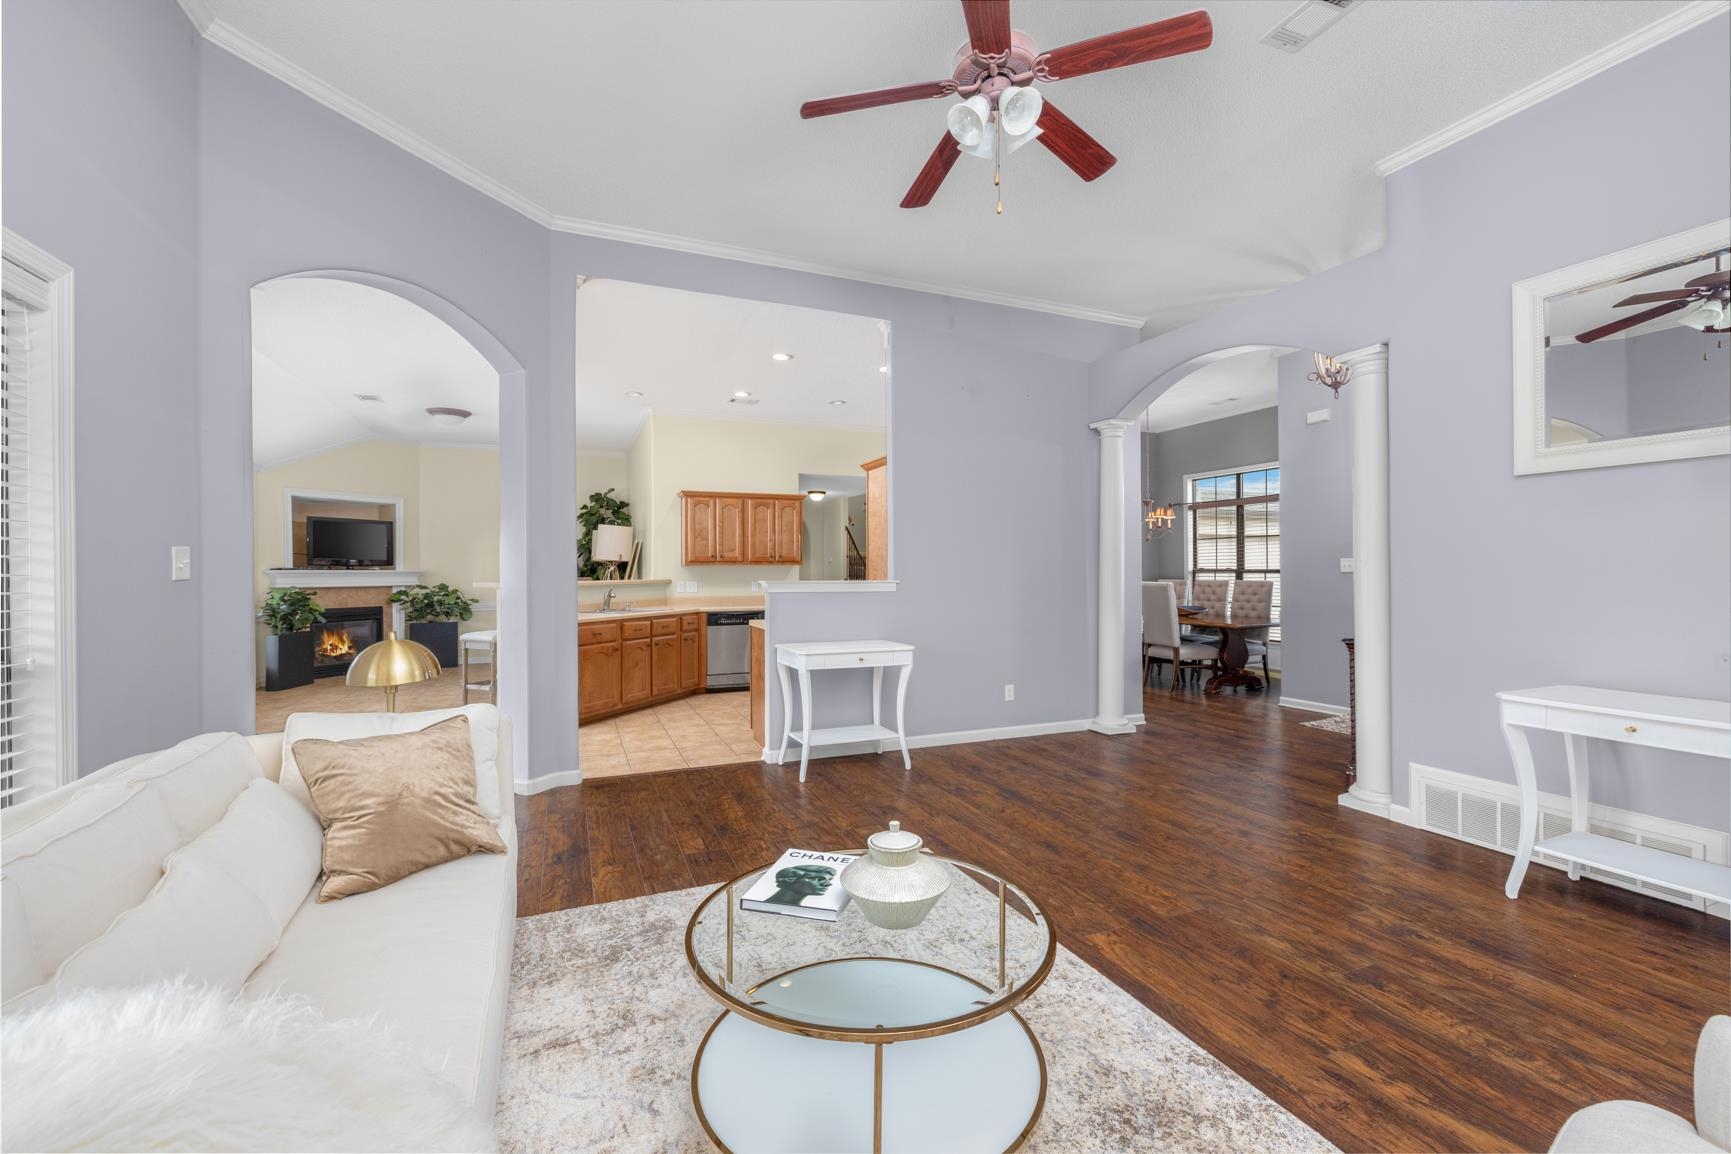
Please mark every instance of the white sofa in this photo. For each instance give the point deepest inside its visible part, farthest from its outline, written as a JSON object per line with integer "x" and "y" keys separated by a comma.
{"x": 429, "y": 955}
{"x": 1638, "y": 1128}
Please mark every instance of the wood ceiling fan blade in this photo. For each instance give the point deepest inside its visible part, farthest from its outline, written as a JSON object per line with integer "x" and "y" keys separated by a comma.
{"x": 937, "y": 166}
{"x": 1066, "y": 140}
{"x": 830, "y": 105}
{"x": 1649, "y": 298}
{"x": 988, "y": 25}
{"x": 1618, "y": 326}
{"x": 1711, "y": 280}
{"x": 1191, "y": 32}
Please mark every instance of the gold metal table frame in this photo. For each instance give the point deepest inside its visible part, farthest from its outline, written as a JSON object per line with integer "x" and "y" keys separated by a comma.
{"x": 1009, "y": 994}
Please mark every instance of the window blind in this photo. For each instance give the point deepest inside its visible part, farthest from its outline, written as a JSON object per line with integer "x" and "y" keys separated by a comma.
{"x": 29, "y": 744}
{"x": 1235, "y": 530}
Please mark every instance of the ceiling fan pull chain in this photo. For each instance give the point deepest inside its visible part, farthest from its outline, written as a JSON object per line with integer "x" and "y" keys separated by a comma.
{"x": 998, "y": 160}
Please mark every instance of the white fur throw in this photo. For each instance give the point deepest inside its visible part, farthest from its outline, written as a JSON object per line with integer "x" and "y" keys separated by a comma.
{"x": 182, "y": 1067}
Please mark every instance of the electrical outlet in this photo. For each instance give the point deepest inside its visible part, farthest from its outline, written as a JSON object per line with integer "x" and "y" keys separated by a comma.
{"x": 1009, "y": 693}
{"x": 1346, "y": 565}
{"x": 180, "y": 562}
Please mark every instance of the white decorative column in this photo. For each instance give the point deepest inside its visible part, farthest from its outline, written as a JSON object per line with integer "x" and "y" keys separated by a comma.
{"x": 1371, "y": 791}
{"x": 1109, "y": 677}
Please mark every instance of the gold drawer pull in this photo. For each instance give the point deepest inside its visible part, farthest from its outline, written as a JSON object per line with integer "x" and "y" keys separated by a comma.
{"x": 1628, "y": 729}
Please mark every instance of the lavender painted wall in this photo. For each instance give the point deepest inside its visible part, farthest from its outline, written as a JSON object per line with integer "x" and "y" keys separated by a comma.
{"x": 1560, "y": 546}
{"x": 1315, "y": 533}
{"x": 100, "y": 141}
{"x": 1242, "y": 439}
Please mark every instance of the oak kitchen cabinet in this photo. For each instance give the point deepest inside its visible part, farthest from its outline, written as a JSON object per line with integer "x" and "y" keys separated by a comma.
{"x": 638, "y": 660}
{"x": 742, "y": 528}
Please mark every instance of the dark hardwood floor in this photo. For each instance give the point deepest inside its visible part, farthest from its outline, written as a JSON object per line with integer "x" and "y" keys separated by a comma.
{"x": 1369, "y": 977}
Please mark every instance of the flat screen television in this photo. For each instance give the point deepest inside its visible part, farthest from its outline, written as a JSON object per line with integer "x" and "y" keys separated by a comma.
{"x": 350, "y": 541}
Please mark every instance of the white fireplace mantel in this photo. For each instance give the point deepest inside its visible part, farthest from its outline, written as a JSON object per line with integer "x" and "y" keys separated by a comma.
{"x": 342, "y": 578}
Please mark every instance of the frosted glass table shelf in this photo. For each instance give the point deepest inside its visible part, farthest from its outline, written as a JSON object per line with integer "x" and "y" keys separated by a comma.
{"x": 840, "y": 1036}
{"x": 1582, "y": 712}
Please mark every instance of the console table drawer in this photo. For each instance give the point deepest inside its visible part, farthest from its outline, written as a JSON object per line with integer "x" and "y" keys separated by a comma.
{"x": 1636, "y": 731}
{"x": 856, "y": 660}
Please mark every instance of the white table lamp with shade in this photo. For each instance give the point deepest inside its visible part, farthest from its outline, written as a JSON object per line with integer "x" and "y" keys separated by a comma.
{"x": 611, "y": 546}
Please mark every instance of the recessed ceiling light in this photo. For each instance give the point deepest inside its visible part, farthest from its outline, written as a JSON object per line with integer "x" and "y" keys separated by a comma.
{"x": 838, "y": 402}
{"x": 633, "y": 392}
{"x": 741, "y": 393}
{"x": 781, "y": 356}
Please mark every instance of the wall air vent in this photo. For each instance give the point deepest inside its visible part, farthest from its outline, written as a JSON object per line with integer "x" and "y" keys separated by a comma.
{"x": 370, "y": 398}
{"x": 1306, "y": 22}
{"x": 742, "y": 400}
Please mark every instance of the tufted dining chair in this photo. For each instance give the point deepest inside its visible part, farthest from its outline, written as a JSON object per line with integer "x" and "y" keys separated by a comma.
{"x": 1213, "y": 596}
{"x": 1253, "y": 599}
{"x": 1161, "y": 642}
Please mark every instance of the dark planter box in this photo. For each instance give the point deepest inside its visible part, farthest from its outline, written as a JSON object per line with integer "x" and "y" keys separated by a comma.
{"x": 440, "y": 637}
{"x": 288, "y": 660}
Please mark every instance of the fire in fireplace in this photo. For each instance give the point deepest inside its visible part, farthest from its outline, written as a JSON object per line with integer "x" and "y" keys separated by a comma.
{"x": 339, "y": 639}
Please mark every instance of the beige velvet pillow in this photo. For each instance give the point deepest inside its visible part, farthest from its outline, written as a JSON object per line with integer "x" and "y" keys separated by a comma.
{"x": 394, "y": 805}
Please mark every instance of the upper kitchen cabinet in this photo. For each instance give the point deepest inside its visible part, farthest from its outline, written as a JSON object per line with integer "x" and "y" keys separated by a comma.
{"x": 742, "y": 528}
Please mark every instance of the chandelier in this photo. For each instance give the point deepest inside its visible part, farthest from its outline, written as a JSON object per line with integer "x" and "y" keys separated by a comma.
{"x": 1330, "y": 372}
{"x": 1158, "y": 517}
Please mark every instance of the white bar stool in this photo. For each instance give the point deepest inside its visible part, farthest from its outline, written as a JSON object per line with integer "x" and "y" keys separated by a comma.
{"x": 487, "y": 639}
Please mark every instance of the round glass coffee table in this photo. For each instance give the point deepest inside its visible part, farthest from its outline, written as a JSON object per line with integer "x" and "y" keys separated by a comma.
{"x": 839, "y": 1036}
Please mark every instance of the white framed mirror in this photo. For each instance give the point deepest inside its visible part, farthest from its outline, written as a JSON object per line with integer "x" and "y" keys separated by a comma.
{"x": 1626, "y": 358}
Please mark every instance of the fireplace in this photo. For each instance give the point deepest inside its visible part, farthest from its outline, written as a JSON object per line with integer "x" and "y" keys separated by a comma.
{"x": 340, "y": 637}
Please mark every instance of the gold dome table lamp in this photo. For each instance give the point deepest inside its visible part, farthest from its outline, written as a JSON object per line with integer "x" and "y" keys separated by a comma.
{"x": 393, "y": 662}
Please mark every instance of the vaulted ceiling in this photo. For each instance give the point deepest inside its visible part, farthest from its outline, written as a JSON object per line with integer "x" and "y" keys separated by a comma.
{"x": 1240, "y": 169}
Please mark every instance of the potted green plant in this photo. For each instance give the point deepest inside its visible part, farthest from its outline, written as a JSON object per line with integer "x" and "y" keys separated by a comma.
{"x": 289, "y": 614}
{"x": 599, "y": 509}
{"x": 433, "y": 612}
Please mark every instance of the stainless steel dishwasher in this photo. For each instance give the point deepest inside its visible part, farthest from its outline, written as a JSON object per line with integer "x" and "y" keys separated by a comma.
{"x": 730, "y": 648}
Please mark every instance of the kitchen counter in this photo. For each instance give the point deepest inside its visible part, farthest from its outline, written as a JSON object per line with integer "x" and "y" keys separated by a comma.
{"x": 687, "y": 605}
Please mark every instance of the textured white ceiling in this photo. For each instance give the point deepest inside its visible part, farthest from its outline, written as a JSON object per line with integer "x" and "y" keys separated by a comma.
{"x": 1241, "y": 168}
{"x": 316, "y": 343}
{"x": 688, "y": 352}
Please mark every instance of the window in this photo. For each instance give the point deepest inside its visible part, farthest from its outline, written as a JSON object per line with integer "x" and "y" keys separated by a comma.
{"x": 36, "y": 688}
{"x": 1235, "y": 529}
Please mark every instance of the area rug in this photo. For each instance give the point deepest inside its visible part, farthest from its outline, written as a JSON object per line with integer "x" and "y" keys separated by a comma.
{"x": 1331, "y": 724}
{"x": 605, "y": 1017}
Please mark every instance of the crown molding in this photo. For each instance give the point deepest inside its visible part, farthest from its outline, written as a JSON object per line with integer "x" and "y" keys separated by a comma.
{"x": 697, "y": 247}
{"x": 237, "y": 43}
{"x": 1674, "y": 24}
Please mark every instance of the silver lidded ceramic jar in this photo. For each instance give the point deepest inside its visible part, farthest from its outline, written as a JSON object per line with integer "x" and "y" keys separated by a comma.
{"x": 895, "y": 885}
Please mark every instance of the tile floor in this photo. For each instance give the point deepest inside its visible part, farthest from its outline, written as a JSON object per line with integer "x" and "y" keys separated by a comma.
{"x": 706, "y": 729}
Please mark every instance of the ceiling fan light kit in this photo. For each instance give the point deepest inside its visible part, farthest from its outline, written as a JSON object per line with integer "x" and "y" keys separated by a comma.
{"x": 994, "y": 74}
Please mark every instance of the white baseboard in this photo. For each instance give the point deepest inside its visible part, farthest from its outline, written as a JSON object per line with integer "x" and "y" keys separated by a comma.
{"x": 542, "y": 784}
{"x": 1314, "y": 706}
{"x": 1498, "y": 814}
{"x": 1136, "y": 718}
{"x": 928, "y": 740}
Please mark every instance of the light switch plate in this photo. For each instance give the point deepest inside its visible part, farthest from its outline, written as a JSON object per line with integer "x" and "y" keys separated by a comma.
{"x": 180, "y": 562}
{"x": 1317, "y": 416}
{"x": 1346, "y": 565}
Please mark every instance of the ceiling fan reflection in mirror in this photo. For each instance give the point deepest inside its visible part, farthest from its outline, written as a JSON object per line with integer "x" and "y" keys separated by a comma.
{"x": 1707, "y": 300}
{"x": 1001, "y": 110}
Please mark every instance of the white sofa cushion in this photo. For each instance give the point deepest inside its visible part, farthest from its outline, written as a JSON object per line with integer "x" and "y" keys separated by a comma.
{"x": 80, "y": 867}
{"x": 267, "y": 841}
{"x": 199, "y": 922}
{"x": 430, "y": 955}
{"x": 483, "y": 735}
{"x": 197, "y": 778}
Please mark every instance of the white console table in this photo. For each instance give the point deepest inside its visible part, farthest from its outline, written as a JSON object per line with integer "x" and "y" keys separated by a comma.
{"x": 802, "y": 657}
{"x": 1579, "y": 712}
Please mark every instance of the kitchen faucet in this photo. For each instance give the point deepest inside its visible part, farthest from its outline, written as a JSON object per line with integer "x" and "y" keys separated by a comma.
{"x": 607, "y": 601}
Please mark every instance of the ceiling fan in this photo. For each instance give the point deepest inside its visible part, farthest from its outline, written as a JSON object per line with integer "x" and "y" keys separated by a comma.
{"x": 1707, "y": 297}
{"x": 994, "y": 72}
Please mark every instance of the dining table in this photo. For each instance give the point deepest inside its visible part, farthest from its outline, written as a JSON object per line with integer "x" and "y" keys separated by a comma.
{"x": 1234, "y": 648}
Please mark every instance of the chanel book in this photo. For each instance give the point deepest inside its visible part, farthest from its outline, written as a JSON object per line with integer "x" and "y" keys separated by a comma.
{"x": 802, "y": 882}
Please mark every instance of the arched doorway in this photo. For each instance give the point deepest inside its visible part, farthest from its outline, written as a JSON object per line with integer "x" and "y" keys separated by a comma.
{"x": 467, "y": 338}
{"x": 1118, "y": 619}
